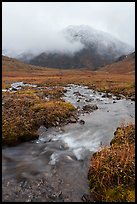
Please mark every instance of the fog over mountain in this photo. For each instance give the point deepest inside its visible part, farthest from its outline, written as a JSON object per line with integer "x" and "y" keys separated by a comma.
{"x": 36, "y": 27}
{"x": 97, "y": 49}
{"x": 55, "y": 41}
{"x": 89, "y": 36}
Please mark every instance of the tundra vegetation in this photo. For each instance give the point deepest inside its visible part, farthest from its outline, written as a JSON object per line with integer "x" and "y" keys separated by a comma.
{"x": 25, "y": 110}
{"x": 112, "y": 169}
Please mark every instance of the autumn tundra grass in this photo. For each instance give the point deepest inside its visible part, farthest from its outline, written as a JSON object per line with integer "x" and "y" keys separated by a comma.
{"x": 24, "y": 111}
{"x": 112, "y": 171}
{"x": 122, "y": 83}
{"x": 114, "y": 83}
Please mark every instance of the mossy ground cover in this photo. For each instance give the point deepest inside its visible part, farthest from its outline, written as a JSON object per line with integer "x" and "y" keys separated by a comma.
{"x": 25, "y": 110}
{"x": 112, "y": 171}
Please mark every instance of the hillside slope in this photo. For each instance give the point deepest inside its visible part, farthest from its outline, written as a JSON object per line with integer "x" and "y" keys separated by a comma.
{"x": 11, "y": 64}
{"x": 124, "y": 65}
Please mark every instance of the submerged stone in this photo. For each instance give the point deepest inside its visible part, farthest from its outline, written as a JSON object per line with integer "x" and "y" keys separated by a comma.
{"x": 89, "y": 108}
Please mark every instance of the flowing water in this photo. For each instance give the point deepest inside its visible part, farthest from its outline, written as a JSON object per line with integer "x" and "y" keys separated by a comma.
{"x": 61, "y": 155}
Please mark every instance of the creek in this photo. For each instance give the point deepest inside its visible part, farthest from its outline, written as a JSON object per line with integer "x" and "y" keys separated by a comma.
{"x": 54, "y": 167}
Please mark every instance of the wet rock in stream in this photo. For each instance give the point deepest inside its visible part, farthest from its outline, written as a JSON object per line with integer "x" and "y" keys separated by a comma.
{"x": 89, "y": 100}
{"x": 82, "y": 122}
{"x": 77, "y": 93}
{"x": 89, "y": 108}
{"x": 107, "y": 95}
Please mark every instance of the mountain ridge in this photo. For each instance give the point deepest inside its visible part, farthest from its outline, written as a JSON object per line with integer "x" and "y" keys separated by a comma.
{"x": 123, "y": 65}
{"x": 99, "y": 49}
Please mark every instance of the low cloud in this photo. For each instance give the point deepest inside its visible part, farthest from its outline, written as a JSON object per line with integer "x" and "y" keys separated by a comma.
{"x": 36, "y": 26}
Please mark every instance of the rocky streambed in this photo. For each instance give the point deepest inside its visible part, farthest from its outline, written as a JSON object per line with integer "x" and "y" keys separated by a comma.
{"x": 54, "y": 167}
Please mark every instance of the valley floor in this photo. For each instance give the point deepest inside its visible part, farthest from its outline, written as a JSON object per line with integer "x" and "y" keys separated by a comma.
{"x": 16, "y": 105}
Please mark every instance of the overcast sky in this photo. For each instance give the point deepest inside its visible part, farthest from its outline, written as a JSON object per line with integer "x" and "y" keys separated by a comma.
{"x": 31, "y": 25}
